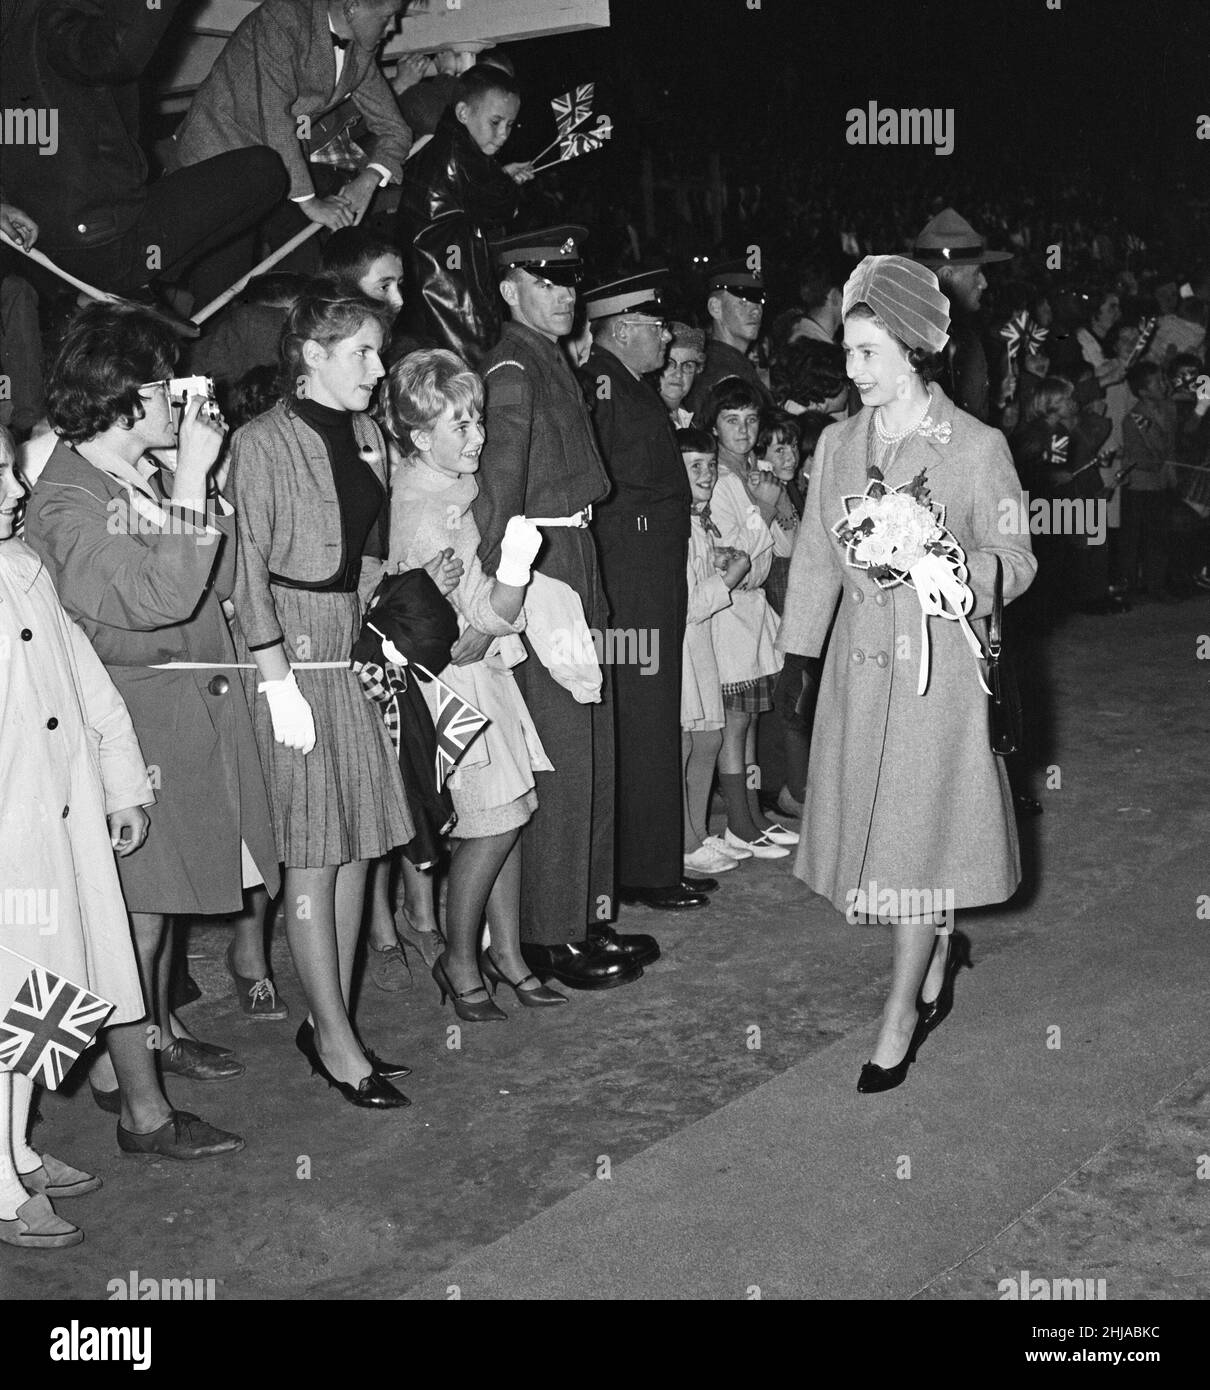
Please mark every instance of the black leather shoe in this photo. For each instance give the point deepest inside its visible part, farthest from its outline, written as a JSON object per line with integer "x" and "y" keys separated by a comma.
{"x": 693, "y": 883}
{"x": 581, "y": 965}
{"x": 634, "y": 946}
{"x": 672, "y": 899}
{"x": 373, "y": 1092}
{"x": 1026, "y": 805}
{"x": 183, "y": 1057}
{"x": 181, "y": 1136}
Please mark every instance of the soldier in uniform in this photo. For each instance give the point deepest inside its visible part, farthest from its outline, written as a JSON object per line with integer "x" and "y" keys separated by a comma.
{"x": 540, "y": 460}
{"x": 951, "y": 247}
{"x": 736, "y": 306}
{"x": 643, "y": 537}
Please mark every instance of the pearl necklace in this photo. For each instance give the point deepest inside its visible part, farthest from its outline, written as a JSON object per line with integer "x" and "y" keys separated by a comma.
{"x": 888, "y": 438}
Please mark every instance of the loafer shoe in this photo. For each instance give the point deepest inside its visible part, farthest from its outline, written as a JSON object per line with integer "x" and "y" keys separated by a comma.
{"x": 639, "y": 948}
{"x": 762, "y": 847}
{"x": 36, "y": 1226}
{"x": 708, "y": 861}
{"x": 184, "y": 1057}
{"x": 182, "y": 1136}
{"x": 580, "y": 965}
{"x": 56, "y": 1179}
{"x": 674, "y": 898}
{"x": 696, "y": 883}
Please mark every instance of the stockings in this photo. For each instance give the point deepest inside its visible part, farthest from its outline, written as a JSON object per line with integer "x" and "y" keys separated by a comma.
{"x": 699, "y": 752}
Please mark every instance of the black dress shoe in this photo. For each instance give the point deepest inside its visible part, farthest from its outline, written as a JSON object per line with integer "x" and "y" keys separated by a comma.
{"x": 1026, "y": 805}
{"x": 373, "y": 1092}
{"x": 675, "y": 898}
{"x": 693, "y": 883}
{"x": 184, "y": 1057}
{"x": 634, "y": 946}
{"x": 580, "y": 964}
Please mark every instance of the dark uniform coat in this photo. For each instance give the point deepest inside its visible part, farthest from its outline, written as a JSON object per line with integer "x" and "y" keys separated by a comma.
{"x": 904, "y": 791}
{"x": 722, "y": 361}
{"x": 148, "y": 593}
{"x": 643, "y": 536}
{"x": 964, "y": 372}
{"x": 540, "y": 459}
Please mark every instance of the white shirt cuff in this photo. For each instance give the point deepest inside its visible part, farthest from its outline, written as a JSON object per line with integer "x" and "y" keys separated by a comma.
{"x": 385, "y": 172}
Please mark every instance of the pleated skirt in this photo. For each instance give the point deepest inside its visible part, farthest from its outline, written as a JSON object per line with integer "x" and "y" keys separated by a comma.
{"x": 345, "y": 800}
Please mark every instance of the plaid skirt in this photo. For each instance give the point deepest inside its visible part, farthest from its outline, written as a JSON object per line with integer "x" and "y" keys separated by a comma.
{"x": 750, "y": 697}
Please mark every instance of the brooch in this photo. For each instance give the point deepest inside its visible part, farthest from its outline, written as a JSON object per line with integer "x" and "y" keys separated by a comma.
{"x": 939, "y": 433}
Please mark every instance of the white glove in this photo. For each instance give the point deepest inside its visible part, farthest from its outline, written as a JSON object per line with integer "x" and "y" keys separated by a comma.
{"x": 293, "y": 722}
{"x": 521, "y": 542}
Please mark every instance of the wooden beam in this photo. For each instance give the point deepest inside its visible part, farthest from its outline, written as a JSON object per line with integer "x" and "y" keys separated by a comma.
{"x": 428, "y": 26}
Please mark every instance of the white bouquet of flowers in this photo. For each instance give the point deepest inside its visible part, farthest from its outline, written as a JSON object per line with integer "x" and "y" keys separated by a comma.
{"x": 899, "y": 535}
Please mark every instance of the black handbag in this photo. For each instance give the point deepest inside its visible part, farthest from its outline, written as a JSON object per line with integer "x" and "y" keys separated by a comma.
{"x": 1004, "y": 703}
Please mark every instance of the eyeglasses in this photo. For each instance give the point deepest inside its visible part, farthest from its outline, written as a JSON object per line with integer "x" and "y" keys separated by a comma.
{"x": 642, "y": 321}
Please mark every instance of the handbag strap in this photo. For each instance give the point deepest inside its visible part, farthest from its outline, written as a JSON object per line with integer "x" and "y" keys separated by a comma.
{"x": 996, "y": 620}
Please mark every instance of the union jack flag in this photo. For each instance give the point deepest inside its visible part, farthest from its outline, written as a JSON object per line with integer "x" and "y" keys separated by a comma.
{"x": 572, "y": 108}
{"x": 1057, "y": 453}
{"x": 581, "y": 142}
{"x": 49, "y": 1022}
{"x": 457, "y": 725}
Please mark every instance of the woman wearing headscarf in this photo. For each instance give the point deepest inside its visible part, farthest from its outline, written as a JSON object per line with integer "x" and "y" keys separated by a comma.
{"x": 908, "y": 812}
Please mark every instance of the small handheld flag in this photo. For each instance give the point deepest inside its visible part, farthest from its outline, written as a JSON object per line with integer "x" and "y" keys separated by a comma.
{"x": 48, "y": 1024}
{"x": 456, "y": 722}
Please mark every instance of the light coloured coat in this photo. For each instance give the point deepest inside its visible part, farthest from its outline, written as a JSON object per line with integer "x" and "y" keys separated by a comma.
{"x": 903, "y": 791}
{"x": 68, "y": 758}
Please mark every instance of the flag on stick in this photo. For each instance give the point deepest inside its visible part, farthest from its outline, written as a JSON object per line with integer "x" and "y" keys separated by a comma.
{"x": 47, "y": 1024}
{"x": 456, "y": 723}
{"x": 573, "y": 108}
{"x": 578, "y": 142}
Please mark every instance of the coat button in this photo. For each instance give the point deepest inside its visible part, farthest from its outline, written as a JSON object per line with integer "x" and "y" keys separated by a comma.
{"x": 26, "y": 635}
{"x": 858, "y": 596}
{"x": 219, "y": 685}
{"x": 880, "y": 599}
{"x": 858, "y": 658}
{"x": 52, "y": 723}
{"x": 882, "y": 660}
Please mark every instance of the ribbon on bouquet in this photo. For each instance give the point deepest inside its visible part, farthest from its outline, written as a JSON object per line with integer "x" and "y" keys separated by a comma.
{"x": 941, "y": 588}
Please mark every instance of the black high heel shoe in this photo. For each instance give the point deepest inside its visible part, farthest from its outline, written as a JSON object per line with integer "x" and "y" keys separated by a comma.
{"x": 936, "y": 1011}
{"x": 541, "y": 998}
{"x": 874, "y": 1078}
{"x": 373, "y": 1092}
{"x": 483, "y": 1012}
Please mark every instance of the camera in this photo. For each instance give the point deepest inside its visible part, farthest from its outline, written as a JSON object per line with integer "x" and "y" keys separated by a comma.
{"x": 180, "y": 388}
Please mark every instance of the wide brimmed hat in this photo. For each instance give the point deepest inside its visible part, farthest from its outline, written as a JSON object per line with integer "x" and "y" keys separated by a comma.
{"x": 949, "y": 239}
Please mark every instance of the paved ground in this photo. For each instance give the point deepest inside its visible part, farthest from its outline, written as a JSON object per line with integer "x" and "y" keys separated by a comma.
{"x": 637, "y": 1144}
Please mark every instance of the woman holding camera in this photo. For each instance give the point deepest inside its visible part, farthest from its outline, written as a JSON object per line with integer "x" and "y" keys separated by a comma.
{"x": 142, "y": 557}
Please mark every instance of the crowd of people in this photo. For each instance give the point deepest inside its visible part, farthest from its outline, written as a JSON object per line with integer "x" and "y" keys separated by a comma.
{"x": 429, "y": 563}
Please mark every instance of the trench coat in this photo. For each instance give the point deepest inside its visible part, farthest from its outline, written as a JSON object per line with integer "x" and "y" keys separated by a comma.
{"x": 68, "y": 758}
{"x": 148, "y": 593}
{"x": 904, "y": 792}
